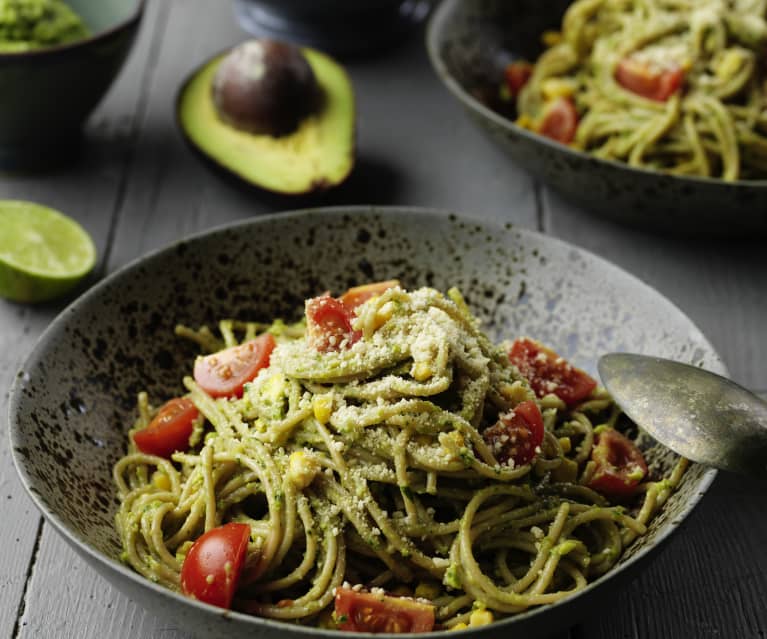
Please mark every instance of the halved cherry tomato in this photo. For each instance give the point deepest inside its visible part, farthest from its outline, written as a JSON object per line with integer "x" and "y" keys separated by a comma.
{"x": 654, "y": 84}
{"x": 170, "y": 429}
{"x": 212, "y": 566}
{"x": 358, "y": 295}
{"x": 547, "y": 372}
{"x": 368, "y": 612}
{"x": 620, "y": 465}
{"x": 224, "y": 374}
{"x": 517, "y": 74}
{"x": 516, "y": 434}
{"x": 559, "y": 121}
{"x": 329, "y": 324}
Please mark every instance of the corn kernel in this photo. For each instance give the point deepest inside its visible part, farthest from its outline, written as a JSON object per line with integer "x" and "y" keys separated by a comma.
{"x": 565, "y": 444}
{"x": 274, "y": 387}
{"x": 383, "y": 315}
{"x": 160, "y": 480}
{"x": 302, "y": 469}
{"x": 729, "y": 64}
{"x": 422, "y": 371}
{"x": 526, "y": 122}
{"x": 553, "y": 88}
{"x": 459, "y": 626}
{"x": 480, "y": 618}
{"x": 516, "y": 392}
{"x": 427, "y": 590}
{"x": 322, "y": 405}
{"x": 551, "y": 38}
{"x": 452, "y": 442}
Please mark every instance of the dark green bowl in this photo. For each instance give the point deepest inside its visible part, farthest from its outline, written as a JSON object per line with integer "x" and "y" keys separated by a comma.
{"x": 48, "y": 94}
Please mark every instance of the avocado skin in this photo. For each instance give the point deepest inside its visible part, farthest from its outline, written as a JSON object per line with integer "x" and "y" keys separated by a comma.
{"x": 317, "y": 156}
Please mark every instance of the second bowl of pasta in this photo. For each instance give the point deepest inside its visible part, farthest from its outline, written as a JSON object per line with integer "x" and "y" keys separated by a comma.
{"x": 650, "y": 113}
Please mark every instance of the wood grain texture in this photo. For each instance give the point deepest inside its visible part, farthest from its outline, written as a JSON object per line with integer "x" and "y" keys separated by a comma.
{"x": 711, "y": 578}
{"x": 88, "y": 189}
{"x": 721, "y": 285}
{"x": 137, "y": 186}
{"x": 708, "y": 583}
{"x": 172, "y": 193}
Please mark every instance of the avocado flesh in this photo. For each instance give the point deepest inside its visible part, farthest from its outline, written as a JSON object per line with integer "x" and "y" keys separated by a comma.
{"x": 319, "y": 154}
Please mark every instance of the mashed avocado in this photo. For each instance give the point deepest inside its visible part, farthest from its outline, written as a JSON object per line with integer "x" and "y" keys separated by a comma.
{"x": 34, "y": 24}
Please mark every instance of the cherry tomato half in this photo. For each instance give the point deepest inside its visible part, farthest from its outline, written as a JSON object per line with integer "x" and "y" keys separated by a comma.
{"x": 559, "y": 121}
{"x": 517, "y": 74}
{"x": 212, "y": 566}
{"x": 547, "y": 372}
{"x": 653, "y": 84}
{"x": 368, "y": 612}
{"x": 224, "y": 374}
{"x": 329, "y": 324}
{"x": 620, "y": 465}
{"x": 170, "y": 429}
{"x": 358, "y": 295}
{"x": 516, "y": 434}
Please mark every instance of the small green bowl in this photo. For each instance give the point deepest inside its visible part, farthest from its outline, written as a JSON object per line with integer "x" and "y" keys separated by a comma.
{"x": 48, "y": 94}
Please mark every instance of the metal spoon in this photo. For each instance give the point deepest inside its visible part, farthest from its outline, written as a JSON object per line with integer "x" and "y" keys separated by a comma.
{"x": 698, "y": 414}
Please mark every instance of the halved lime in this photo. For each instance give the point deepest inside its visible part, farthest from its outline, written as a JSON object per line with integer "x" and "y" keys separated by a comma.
{"x": 43, "y": 253}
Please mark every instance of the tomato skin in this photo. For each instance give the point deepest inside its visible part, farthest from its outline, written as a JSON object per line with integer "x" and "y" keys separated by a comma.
{"x": 547, "y": 372}
{"x": 170, "y": 429}
{"x": 358, "y": 295}
{"x": 368, "y": 612}
{"x": 329, "y": 324}
{"x": 654, "y": 84}
{"x": 559, "y": 120}
{"x": 224, "y": 374}
{"x": 517, "y": 74}
{"x": 516, "y": 435}
{"x": 204, "y": 574}
{"x": 620, "y": 465}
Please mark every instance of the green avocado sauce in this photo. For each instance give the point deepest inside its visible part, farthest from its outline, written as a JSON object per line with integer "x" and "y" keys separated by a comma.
{"x": 35, "y": 24}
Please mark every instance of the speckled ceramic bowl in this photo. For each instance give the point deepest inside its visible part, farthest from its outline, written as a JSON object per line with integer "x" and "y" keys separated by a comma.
{"x": 470, "y": 42}
{"x": 73, "y": 402}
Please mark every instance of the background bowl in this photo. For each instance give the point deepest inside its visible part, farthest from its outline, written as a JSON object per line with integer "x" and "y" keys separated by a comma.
{"x": 47, "y": 94}
{"x": 470, "y": 43}
{"x": 336, "y": 26}
{"x": 74, "y": 400}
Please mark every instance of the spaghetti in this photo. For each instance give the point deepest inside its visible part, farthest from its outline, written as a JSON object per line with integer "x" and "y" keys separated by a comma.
{"x": 672, "y": 85}
{"x": 410, "y": 457}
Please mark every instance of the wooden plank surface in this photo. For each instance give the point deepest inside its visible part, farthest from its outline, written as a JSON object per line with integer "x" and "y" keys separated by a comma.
{"x": 138, "y": 187}
{"x": 88, "y": 189}
{"x": 711, "y": 578}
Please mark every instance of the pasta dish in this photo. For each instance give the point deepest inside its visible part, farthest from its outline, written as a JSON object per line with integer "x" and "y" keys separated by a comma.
{"x": 381, "y": 466}
{"x": 672, "y": 85}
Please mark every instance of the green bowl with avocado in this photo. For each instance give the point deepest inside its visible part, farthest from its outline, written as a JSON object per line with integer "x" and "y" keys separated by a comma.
{"x": 57, "y": 60}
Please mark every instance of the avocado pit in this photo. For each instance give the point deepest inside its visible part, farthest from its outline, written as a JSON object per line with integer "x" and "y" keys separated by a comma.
{"x": 265, "y": 87}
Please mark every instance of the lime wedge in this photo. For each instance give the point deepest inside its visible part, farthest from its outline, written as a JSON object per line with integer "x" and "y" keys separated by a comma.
{"x": 43, "y": 253}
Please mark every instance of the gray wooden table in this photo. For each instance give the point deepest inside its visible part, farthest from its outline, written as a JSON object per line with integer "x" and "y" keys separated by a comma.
{"x": 137, "y": 187}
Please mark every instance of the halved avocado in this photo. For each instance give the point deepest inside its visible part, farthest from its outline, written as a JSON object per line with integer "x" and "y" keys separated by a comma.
{"x": 317, "y": 155}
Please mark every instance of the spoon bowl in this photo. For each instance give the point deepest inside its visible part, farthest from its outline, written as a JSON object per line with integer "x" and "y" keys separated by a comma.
{"x": 700, "y": 415}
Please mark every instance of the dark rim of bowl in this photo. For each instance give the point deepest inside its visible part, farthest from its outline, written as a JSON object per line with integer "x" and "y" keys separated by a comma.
{"x": 105, "y": 34}
{"x": 434, "y": 31}
{"x": 360, "y": 211}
